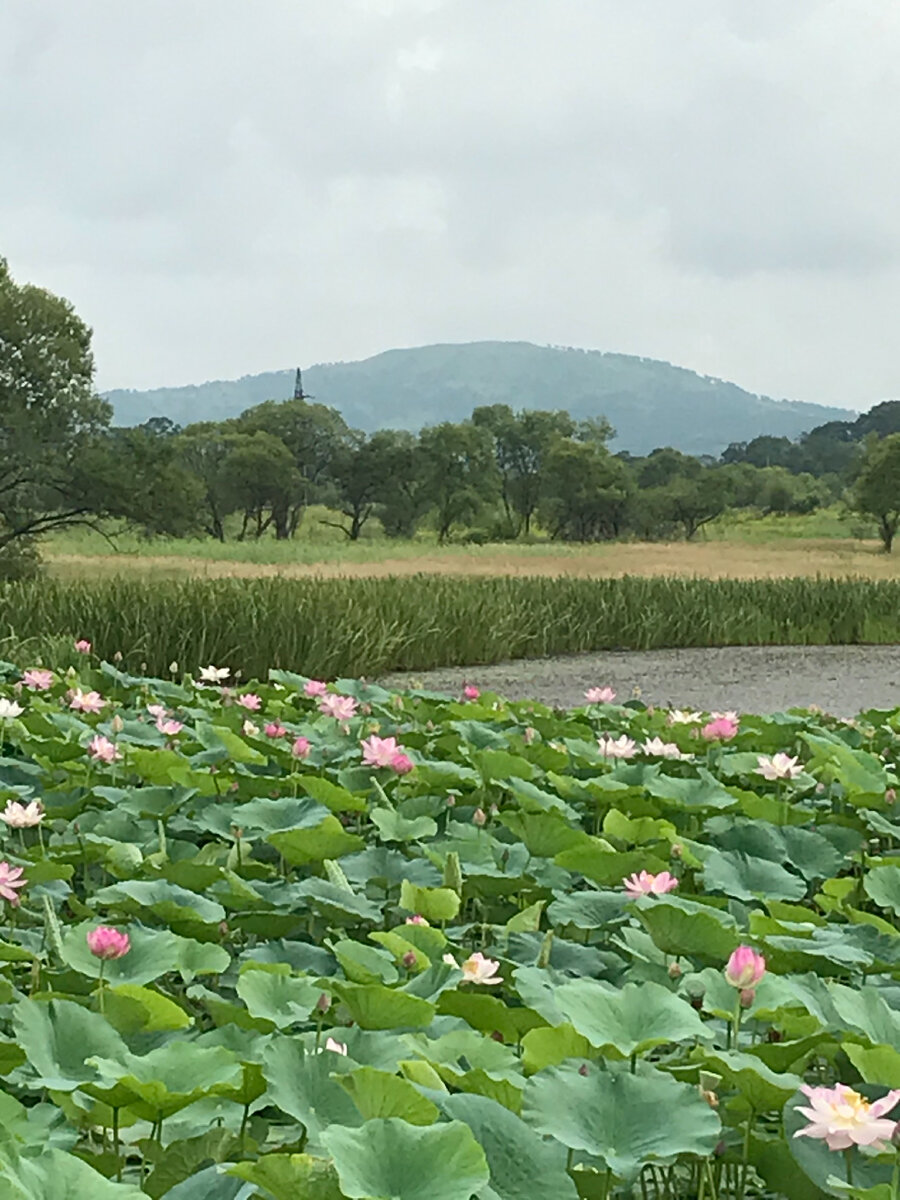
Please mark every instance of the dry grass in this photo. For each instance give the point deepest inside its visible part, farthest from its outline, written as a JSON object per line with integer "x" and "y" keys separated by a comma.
{"x": 712, "y": 560}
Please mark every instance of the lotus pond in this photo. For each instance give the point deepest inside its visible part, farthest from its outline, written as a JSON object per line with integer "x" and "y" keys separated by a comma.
{"x": 304, "y": 942}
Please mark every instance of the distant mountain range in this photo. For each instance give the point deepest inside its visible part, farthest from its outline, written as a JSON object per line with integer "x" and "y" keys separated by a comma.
{"x": 649, "y": 403}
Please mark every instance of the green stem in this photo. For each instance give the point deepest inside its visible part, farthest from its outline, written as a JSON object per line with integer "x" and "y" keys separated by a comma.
{"x": 115, "y": 1127}
{"x": 848, "y": 1165}
{"x": 895, "y": 1179}
{"x": 736, "y": 1023}
{"x": 745, "y": 1157}
{"x": 100, "y": 985}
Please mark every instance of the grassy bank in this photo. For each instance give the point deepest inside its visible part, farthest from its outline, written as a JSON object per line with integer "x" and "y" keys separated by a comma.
{"x": 367, "y": 626}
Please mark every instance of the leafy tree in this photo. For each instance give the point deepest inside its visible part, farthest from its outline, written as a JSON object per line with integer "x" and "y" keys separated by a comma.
{"x": 312, "y": 433}
{"x": 362, "y": 475}
{"x": 876, "y": 492}
{"x": 522, "y": 442}
{"x": 588, "y": 491}
{"x": 259, "y": 477}
{"x": 403, "y": 494}
{"x": 693, "y": 503}
{"x": 762, "y": 451}
{"x": 665, "y": 464}
{"x": 459, "y": 472}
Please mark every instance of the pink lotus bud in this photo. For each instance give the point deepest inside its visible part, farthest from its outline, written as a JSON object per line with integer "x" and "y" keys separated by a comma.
{"x": 674, "y": 970}
{"x": 479, "y": 817}
{"x": 107, "y": 943}
{"x": 323, "y": 1003}
{"x": 409, "y": 959}
{"x": 401, "y": 763}
{"x": 416, "y": 920}
{"x": 745, "y": 968}
{"x": 83, "y": 646}
{"x": 300, "y": 748}
{"x": 274, "y": 730}
{"x": 471, "y": 692}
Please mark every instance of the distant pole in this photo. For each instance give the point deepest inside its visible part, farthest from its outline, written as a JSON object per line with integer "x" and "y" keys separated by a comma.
{"x": 299, "y": 393}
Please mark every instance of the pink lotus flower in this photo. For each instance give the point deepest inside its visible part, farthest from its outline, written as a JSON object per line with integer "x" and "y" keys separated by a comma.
{"x": 250, "y": 701}
{"x": 841, "y": 1118}
{"x": 37, "y": 679}
{"x": 471, "y": 692}
{"x": 380, "y": 752}
{"x": 274, "y": 730}
{"x": 83, "y": 646}
{"x": 660, "y": 749}
{"x": 745, "y": 968}
{"x": 101, "y": 749}
{"x": 720, "y": 729}
{"x": 108, "y": 943}
{"x": 157, "y": 711}
{"x": 730, "y": 715}
{"x": 621, "y": 747}
{"x": 300, "y": 748}
{"x": 342, "y": 708}
{"x": 645, "y": 884}
{"x": 477, "y": 969}
{"x": 169, "y": 726}
{"x": 88, "y": 702}
{"x": 416, "y": 920}
{"x": 779, "y": 766}
{"x": 315, "y": 687}
{"x": 402, "y": 763}
{"x": 600, "y": 695}
{"x": 10, "y": 879}
{"x": 22, "y": 816}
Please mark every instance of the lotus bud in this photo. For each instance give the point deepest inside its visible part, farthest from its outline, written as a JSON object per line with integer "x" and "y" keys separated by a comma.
{"x": 451, "y": 801}
{"x": 529, "y": 735}
{"x": 453, "y": 878}
{"x": 710, "y": 1097}
{"x": 745, "y": 968}
{"x": 107, "y": 943}
{"x": 890, "y": 796}
{"x": 173, "y": 667}
{"x": 223, "y": 929}
{"x": 495, "y": 808}
{"x": 479, "y": 817}
{"x": 674, "y": 970}
{"x": 583, "y": 1069}
{"x": 117, "y": 657}
{"x": 323, "y": 1003}
{"x": 117, "y": 724}
{"x": 409, "y": 959}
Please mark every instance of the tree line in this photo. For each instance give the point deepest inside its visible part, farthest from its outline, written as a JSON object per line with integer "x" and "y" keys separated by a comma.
{"x": 501, "y": 474}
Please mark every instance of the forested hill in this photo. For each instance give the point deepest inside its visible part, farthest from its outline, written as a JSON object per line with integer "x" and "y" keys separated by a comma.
{"x": 649, "y": 403}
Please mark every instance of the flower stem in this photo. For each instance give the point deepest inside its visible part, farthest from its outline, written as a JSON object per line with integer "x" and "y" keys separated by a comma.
{"x": 848, "y": 1165}
{"x": 736, "y": 1022}
{"x": 100, "y": 985}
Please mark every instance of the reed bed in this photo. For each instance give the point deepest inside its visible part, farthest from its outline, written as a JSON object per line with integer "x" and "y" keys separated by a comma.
{"x": 368, "y": 626}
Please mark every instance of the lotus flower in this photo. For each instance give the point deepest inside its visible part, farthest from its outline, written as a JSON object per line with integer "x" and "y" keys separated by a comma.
{"x": 9, "y": 709}
{"x": 300, "y": 748}
{"x": 315, "y": 687}
{"x": 22, "y": 816}
{"x": 476, "y": 968}
{"x": 157, "y": 711}
{"x": 37, "y": 679}
{"x": 250, "y": 701}
{"x": 841, "y": 1118}
{"x": 471, "y": 692}
{"x": 213, "y": 674}
{"x": 249, "y": 729}
{"x": 378, "y": 751}
{"x": 83, "y": 646}
{"x": 342, "y": 708}
{"x": 720, "y": 729}
{"x": 10, "y": 879}
{"x": 621, "y": 747}
{"x": 169, "y": 726}
{"x": 479, "y": 817}
{"x": 745, "y": 968}
{"x": 102, "y": 749}
{"x": 680, "y": 716}
{"x": 645, "y": 884}
{"x": 337, "y": 1047}
{"x": 274, "y": 730}
{"x": 416, "y": 920}
{"x": 87, "y": 702}
{"x": 660, "y": 749}
{"x": 600, "y": 695}
{"x": 107, "y": 943}
{"x": 779, "y": 766}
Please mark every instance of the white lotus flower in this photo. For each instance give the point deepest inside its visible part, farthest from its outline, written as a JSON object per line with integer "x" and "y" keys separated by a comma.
{"x": 9, "y": 709}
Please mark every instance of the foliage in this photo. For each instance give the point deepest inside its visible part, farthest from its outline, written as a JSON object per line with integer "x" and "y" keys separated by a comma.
{"x": 279, "y": 1028}
{"x": 877, "y": 489}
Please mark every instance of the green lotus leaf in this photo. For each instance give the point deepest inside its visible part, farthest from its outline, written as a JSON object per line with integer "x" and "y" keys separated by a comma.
{"x": 748, "y": 878}
{"x": 685, "y": 928}
{"x": 630, "y": 1020}
{"x": 373, "y": 1006}
{"x": 290, "y": 1176}
{"x": 381, "y": 1094}
{"x": 59, "y": 1036}
{"x": 435, "y": 904}
{"x": 276, "y": 997}
{"x": 329, "y": 839}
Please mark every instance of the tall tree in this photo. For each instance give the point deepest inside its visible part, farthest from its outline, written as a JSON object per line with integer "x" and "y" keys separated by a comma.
{"x": 587, "y": 493}
{"x": 876, "y": 492}
{"x": 459, "y": 472}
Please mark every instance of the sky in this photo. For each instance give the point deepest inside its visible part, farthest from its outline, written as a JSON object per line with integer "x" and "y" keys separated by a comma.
{"x": 224, "y": 187}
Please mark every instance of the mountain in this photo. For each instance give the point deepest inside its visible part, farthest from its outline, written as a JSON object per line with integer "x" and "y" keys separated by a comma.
{"x": 649, "y": 403}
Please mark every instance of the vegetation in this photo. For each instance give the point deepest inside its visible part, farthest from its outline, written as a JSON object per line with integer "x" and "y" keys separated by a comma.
{"x": 288, "y": 940}
{"x": 370, "y": 626}
{"x": 650, "y": 403}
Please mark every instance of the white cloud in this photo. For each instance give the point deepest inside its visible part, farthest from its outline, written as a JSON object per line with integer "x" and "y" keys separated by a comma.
{"x": 223, "y": 187}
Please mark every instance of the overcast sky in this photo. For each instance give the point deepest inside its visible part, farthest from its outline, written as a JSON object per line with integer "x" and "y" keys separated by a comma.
{"x": 228, "y": 186}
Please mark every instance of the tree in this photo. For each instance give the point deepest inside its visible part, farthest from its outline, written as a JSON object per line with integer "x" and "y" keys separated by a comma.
{"x": 260, "y": 478}
{"x": 522, "y": 442}
{"x": 361, "y": 472}
{"x": 588, "y": 491}
{"x": 459, "y": 472}
{"x": 312, "y": 433}
{"x": 661, "y": 466}
{"x": 403, "y": 498}
{"x": 693, "y": 503}
{"x": 876, "y": 492}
